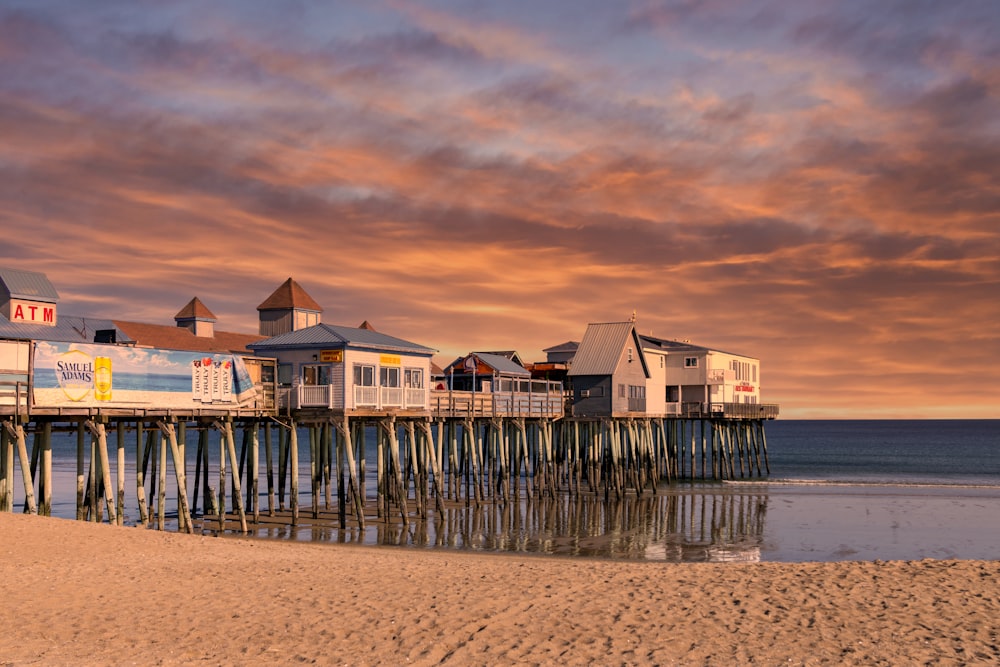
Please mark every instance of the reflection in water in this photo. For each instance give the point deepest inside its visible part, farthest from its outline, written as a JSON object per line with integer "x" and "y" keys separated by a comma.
{"x": 680, "y": 524}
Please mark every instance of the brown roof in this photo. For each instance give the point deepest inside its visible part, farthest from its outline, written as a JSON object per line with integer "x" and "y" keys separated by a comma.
{"x": 179, "y": 338}
{"x": 195, "y": 310}
{"x": 289, "y": 295}
{"x": 367, "y": 325}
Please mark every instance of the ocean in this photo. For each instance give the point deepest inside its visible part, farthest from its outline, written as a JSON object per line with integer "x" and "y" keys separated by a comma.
{"x": 837, "y": 490}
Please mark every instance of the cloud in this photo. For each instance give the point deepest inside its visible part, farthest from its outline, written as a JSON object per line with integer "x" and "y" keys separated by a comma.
{"x": 812, "y": 186}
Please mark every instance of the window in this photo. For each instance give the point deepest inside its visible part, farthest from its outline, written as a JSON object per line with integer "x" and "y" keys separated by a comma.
{"x": 285, "y": 375}
{"x": 413, "y": 378}
{"x": 364, "y": 375}
{"x": 690, "y": 362}
{"x": 316, "y": 374}
{"x": 636, "y": 391}
{"x": 661, "y": 362}
{"x": 389, "y": 376}
{"x": 304, "y": 318}
{"x": 630, "y": 354}
{"x": 621, "y": 391}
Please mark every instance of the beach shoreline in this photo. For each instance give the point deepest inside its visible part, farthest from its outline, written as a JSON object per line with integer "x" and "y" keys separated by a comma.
{"x": 92, "y": 593}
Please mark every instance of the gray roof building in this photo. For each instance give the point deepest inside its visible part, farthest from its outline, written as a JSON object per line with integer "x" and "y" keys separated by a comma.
{"x": 601, "y": 348}
{"x": 29, "y": 285}
{"x": 330, "y": 335}
{"x": 68, "y": 329}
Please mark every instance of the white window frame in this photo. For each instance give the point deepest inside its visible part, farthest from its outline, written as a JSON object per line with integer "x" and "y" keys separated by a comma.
{"x": 359, "y": 374}
{"x": 389, "y": 376}
{"x": 413, "y": 378}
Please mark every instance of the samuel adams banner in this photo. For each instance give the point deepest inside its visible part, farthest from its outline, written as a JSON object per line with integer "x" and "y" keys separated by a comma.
{"x": 72, "y": 374}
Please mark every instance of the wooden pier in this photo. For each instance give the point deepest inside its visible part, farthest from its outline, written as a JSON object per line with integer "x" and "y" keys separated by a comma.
{"x": 355, "y": 420}
{"x": 221, "y": 463}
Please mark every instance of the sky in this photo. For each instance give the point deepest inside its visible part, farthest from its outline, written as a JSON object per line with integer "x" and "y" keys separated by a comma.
{"x": 814, "y": 184}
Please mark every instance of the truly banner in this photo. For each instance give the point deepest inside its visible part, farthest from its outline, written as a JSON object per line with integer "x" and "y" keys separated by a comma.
{"x": 92, "y": 375}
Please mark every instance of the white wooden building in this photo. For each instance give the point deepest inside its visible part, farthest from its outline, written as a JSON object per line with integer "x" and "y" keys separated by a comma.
{"x": 350, "y": 369}
{"x": 689, "y": 379}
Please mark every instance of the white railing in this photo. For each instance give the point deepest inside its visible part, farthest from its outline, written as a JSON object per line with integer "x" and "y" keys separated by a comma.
{"x": 365, "y": 397}
{"x": 315, "y": 395}
{"x": 392, "y": 397}
{"x": 318, "y": 396}
{"x": 416, "y": 398}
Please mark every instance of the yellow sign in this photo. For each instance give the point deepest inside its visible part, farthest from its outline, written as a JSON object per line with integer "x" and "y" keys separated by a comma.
{"x": 390, "y": 360}
{"x": 331, "y": 356}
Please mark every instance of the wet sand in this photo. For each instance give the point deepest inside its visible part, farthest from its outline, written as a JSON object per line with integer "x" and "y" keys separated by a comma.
{"x": 76, "y": 593}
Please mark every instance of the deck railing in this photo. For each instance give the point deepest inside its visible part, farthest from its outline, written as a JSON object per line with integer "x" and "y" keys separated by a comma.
{"x": 14, "y": 396}
{"x": 496, "y": 404}
{"x": 444, "y": 403}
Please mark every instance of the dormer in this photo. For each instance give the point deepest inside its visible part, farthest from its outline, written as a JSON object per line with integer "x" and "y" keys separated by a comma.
{"x": 288, "y": 309}
{"x": 27, "y": 297}
{"x": 197, "y": 318}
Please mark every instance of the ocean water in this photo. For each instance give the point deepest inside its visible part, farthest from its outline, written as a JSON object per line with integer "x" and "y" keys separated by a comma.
{"x": 896, "y": 452}
{"x": 837, "y": 490}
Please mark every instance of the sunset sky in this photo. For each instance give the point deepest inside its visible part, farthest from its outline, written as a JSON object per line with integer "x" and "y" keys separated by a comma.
{"x": 816, "y": 184}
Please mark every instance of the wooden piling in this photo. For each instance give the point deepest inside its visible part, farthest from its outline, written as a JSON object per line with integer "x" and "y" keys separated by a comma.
{"x": 120, "y": 469}
{"x": 140, "y": 487}
{"x": 293, "y": 449}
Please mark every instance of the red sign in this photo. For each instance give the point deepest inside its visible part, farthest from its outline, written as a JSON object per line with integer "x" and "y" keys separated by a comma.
{"x": 744, "y": 387}
{"x": 32, "y": 312}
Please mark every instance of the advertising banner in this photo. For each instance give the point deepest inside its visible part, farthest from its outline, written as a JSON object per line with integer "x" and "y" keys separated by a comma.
{"x": 75, "y": 374}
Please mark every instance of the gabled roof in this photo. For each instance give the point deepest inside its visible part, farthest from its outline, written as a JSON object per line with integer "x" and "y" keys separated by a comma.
{"x": 290, "y": 295}
{"x": 507, "y": 354}
{"x": 68, "y": 329}
{"x": 195, "y": 310}
{"x": 172, "y": 337}
{"x": 568, "y": 346}
{"x": 651, "y": 342}
{"x": 338, "y": 336}
{"x": 601, "y": 348}
{"x": 497, "y": 362}
{"x": 28, "y": 285}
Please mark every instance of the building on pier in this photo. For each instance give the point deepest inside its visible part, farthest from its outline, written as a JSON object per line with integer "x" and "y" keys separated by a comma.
{"x": 557, "y": 362}
{"x": 29, "y": 311}
{"x": 609, "y": 372}
{"x": 289, "y": 308}
{"x": 697, "y": 380}
{"x": 52, "y": 364}
{"x": 495, "y": 384}
{"x": 194, "y": 330}
{"x": 617, "y": 372}
{"x": 348, "y": 369}
{"x": 484, "y": 371}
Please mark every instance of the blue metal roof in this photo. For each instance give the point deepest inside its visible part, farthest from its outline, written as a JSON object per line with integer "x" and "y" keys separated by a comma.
{"x": 68, "y": 329}
{"x": 338, "y": 336}
{"x": 29, "y": 285}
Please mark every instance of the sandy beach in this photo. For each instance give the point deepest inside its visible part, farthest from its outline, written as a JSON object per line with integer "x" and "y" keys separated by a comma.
{"x": 76, "y": 593}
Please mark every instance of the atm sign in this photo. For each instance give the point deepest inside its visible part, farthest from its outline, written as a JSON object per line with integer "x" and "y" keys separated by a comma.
{"x": 32, "y": 312}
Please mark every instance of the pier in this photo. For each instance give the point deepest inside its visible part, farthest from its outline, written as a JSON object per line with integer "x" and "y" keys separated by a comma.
{"x": 224, "y": 472}
{"x": 360, "y": 425}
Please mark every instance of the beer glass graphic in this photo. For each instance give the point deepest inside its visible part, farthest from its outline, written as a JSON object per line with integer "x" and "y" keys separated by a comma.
{"x": 102, "y": 378}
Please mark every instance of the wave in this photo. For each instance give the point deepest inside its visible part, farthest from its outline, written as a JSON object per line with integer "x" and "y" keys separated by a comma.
{"x": 865, "y": 483}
